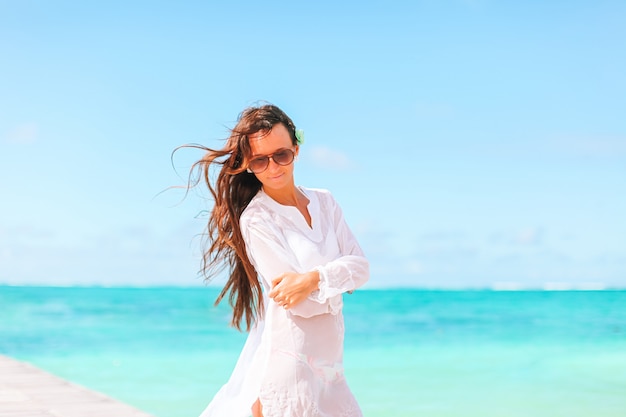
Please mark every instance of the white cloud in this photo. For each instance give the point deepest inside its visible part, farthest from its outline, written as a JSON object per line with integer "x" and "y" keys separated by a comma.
{"x": 22, "y": 134}
{"x": 414, "y": 267}
{"x": 591, "y": 145}
{"x": 140, "y": 255}
{"x": 330, "y": 158}
{"x": 137, "y": 256}
{"x": 529, "y": 236}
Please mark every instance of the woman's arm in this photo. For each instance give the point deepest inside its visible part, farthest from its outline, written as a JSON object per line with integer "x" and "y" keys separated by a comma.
{"x": 274, "y": 262}
{"x": 306, "y": 293}
{"x": 348, "y": 272}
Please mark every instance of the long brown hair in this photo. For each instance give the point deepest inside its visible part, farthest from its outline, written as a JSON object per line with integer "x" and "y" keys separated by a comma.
{"x": 233, "y": 190}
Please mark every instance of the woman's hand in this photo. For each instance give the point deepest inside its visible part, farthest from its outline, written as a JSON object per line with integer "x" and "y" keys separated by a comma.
{"x": 291, "y": 288}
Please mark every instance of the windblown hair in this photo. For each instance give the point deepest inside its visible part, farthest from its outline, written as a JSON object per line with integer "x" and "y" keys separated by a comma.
{"x": 233, "y": 190}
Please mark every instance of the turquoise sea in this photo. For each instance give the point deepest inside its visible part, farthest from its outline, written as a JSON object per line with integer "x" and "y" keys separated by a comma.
{"x": 408, "y": 352}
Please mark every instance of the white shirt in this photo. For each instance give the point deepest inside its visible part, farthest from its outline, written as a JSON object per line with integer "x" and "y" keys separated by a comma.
{"x": 292, "y": 359}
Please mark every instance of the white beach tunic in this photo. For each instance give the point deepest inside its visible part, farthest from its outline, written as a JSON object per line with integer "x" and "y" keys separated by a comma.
{"x": 292, "y": 359}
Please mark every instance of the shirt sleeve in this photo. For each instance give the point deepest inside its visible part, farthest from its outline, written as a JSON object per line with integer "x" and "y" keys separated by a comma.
{"x": 346, "y": 273}
{"x": 271, "y": 257}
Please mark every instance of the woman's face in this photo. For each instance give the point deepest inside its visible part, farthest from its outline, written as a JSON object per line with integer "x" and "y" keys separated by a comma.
{"x": 275, "y": 176}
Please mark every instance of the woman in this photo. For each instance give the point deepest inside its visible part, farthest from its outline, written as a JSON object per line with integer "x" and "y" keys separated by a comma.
{"x": 291, "y": 256}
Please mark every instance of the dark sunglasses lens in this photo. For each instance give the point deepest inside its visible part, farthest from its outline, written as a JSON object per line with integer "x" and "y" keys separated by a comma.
{"x": 283, "y": 157}
{"x": 259, "y": 164}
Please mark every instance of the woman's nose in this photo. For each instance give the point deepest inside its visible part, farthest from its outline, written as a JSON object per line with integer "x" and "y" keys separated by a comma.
{"x": 271, "y": 164}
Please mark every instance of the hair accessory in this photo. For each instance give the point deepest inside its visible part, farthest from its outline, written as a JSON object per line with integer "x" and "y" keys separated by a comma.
{"x": 299, "y": 136}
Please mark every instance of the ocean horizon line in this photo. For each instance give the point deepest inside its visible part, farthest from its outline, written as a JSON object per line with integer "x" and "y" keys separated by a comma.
{"x": 504, "y": 286}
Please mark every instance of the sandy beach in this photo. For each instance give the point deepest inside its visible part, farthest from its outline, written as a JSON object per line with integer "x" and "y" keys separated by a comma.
{"x": 26, "y": 391}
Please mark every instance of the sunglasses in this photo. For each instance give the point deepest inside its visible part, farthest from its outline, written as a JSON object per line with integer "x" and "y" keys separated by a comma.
{"x": 281, "y": 157}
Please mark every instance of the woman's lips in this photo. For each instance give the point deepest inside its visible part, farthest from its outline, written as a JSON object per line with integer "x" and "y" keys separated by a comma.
{"x": 275, "y": 177}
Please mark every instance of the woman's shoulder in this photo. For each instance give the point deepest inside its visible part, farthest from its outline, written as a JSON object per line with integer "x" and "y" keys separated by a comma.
{"x": 257, "y": 211}
{"x": 324, "y": 196}
{"x": 319, "y": 192}
{"x": 252, "y": 210}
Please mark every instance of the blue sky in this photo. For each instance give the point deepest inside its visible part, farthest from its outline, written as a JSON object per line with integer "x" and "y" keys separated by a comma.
{"x": 470, "y": 143}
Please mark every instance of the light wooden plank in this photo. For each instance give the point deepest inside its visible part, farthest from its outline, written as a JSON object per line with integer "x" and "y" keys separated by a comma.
{"x": 26, "y": 391}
